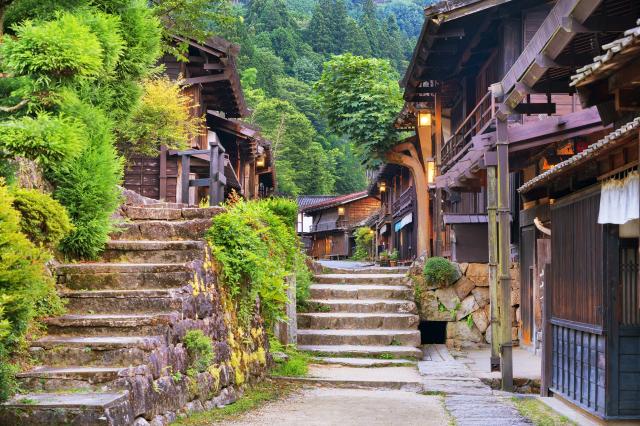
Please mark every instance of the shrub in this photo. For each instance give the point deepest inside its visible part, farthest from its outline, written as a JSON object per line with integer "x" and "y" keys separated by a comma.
{"x": 303, "y": 280}
{"x": 27, "y": 291}
{"x": 163, "y": 116}
{"x": 439, "y": 271}
{"x": 295, "y": 364}
{"x": 255, "y": 250}
{"x": 88, "y": 186}
{"x": 200, "y": 349}
{"x": 364, "y": 239}
{"x": 43, "y": 220}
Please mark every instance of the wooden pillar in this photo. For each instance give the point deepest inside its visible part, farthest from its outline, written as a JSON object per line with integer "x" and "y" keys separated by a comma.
{"x": 423, "y": 202}
{"x": 437, "y": 208}
{"x": 547, "y": 341}
{"x": 504, "y": 255}
{"x": 214, "y": 157}
{"x": 163, "y": 173}
{"x": 492, "y": 232}
{"x": 186, "y": 168}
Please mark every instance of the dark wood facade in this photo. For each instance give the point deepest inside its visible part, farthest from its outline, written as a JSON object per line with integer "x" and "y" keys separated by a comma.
{"x": 333, "y": 223}
{"x": 227, "y": 156}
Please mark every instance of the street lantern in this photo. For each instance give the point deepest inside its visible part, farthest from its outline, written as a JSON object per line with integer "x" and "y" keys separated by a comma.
{"x": 260, "y": 162}
{"x": 340, "y": 211}
{"x": 424, "y": 119}
{"x": 383, "y": 186}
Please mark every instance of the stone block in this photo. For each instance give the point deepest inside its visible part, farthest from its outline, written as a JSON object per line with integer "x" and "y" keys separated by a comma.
{"x": 482, "y": 296}
{"x": 463, "y": 267}
{"x": 463, "y": 334}
{"x": 429, "y": 308}
{"x": 479, "y": 274}
{"x": 448, "y": 297}
{"x": 463, "y": 287}
{"x": 517, "y": 315}
{"x": 487, "y": 335}
{"x": 481, "y": 320}
{"x": 515, "y": 297}
{"x": 140, "y": 421}
{"x": 514, "y": 333}
{"x": 467, "y": 306}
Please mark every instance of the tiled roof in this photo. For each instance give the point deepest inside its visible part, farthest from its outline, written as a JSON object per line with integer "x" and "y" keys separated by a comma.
{"x": 306, "y": 201}
{"x": 583, "y": 156}
{"x": 336, "y": 201}
{"x": 605, "y": 62}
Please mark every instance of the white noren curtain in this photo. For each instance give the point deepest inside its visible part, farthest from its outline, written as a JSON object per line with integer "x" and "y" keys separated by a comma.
{"x": 620, "y": 200}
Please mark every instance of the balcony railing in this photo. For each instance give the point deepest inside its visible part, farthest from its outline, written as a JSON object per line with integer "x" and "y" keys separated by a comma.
{"x": 477, "y": 121}
{"x": 401, "y": 204}
{"x": 330, "y": 226}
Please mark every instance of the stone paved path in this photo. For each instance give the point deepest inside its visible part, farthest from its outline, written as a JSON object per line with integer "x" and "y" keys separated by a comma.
{"x": 469, "y": 401}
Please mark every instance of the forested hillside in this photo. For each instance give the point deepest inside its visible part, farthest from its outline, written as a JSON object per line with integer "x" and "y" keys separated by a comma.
{"x": 284, "y": 44}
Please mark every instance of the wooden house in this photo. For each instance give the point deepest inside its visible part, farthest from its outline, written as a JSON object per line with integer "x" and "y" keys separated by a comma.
{"x": 394, "y": 227}
{"x": 228, "y": 155}
{"x": 333, "y": 223}
{"x": 591, "y": 275}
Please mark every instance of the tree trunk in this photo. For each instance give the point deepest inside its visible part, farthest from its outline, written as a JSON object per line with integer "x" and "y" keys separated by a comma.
{"x": 422, "y": 197}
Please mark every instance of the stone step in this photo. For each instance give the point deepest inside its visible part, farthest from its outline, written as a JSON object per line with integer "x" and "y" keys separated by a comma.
{"x": 364, "y": 305}
{"x": 137, "y": 251}
{"x": 364, "y": 362}
{"x": 359, "y": 337}
{"x": 341, "y": 320}
{"x": 125, "y": 276}
{"x": 48, "y": 379}
{"x": 127, "y": 301}
{"x": 381, "y": 352}
{"x": 164, "y": 205}
{"x": 360, "y": 291}
{"x": 68, "y": 409}
{"x": 369, "y": 270}
{"x": 111, "y": 324}
{"x": 146, "y": 213}
{"x": 107, "y": 351}
{"x": 162, "y": 230}
{"x": 382, "y": 279}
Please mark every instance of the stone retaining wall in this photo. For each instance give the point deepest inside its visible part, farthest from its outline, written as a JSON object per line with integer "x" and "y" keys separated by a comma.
{"x": 464, "y": 303}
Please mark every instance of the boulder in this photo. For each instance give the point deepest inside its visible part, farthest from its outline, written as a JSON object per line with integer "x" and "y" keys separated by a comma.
{"x": 463, "y": 287}
{"x": 487, "y": 335}
{"x": 479, "y": 274}
{"x": 482, "y": 296}
{"x": 467, "y": 306}
{"x": 140, "y": 421}
{"x": 429, "y": 308}
{"x": 463, "y": 335}
{"x": 463, "y": 267}
{"x": 448, "y": 297}
{"x": 481, "y": 320}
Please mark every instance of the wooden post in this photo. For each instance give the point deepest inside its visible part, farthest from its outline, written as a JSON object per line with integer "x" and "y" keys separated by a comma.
{"x": 437, "y": 208}
{"x": 492, "y": 232}
{"x": 545, "y": 382}
{"x": 163, "y": 173}
{"x": 504, "y": 255}
{"x": 422, "y": 193}
{"x": 222, "y": 180}
{"x": 214, "y": 157}
{"x": 186, "y": 168}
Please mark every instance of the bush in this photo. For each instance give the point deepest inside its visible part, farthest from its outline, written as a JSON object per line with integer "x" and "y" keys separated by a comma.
{"x": 200, "y": 349}
{"x": 255, "y": 250}
{"x": 303, "y": 280}
{"x": 27, "y": 291}
{"x": 43, "y": 220}
{"x": 296, "y": 364}
{"x": 364, "y": 239}
{"x": 439, "y": 271}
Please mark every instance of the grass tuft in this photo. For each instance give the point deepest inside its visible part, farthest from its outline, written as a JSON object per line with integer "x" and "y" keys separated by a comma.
{"x": 539, "y": 413}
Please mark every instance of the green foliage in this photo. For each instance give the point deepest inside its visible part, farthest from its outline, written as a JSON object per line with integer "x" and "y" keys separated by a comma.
{"x": 360, "y": 98}
{"x": 304, "y": 277}
{"x": 27, "y": 291}
{"x": 295, "y": 364}
{"x": 439, "y": 271}
{"x": 469, "y": 320}
{"x": 394, "y": 255}
{"x": 42, "y": 219}
{"x": 200, "y": 349}
{"x": 162, "y": 117}
{"x": 255, "y": 250}
{"x": 364, "y": 239}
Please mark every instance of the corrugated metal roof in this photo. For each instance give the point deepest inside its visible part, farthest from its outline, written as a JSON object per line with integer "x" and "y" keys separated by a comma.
{"x": 605, "y": 62}
{"x": 336, "y": 201}
{"x": 583, "y": 156}
{"x": 305, "y": 201}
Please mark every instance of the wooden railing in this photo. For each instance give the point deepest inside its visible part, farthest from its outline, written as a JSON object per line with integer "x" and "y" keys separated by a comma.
{"x": 406, "y": 197}
{"x": 216, "y": 180}
{"x": 330, "y": 226}
{"x": 476, "y": 122}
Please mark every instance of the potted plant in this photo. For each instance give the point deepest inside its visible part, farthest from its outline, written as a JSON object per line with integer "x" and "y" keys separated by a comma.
{"x": 393, "y": 258}
{"x": 384, "y": 258}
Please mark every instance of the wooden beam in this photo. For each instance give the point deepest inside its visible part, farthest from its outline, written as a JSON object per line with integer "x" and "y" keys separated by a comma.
{"x": 459, "y": 33}
{"x": 214, "y": 66}
{"x": 627, "y": 77}
{"x": 473, "y": 43}
{"x": 213, "y": 78}
{"x": 528, "y": 108}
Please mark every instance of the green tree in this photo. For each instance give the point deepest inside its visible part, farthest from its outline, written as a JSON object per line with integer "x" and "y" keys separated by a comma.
{"x": 327, "y": 29}
{"x": 267, "y": 15}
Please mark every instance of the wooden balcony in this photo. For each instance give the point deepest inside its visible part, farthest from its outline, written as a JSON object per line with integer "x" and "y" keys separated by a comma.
{"x": 330, "y": 226}
{"x": 477, "y": 122}
{"x": 404, "y": 202}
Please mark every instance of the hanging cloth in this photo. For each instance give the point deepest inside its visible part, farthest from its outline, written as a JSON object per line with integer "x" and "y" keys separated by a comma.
{"x": 620, "y": 200}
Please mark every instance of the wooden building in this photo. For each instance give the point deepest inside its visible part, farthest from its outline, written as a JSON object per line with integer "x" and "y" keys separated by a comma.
{"x": 591, "y": 276}
{"x": 333, "y": 223}
{"x": 394, "y": 227}
{"x": 228, "y": 155}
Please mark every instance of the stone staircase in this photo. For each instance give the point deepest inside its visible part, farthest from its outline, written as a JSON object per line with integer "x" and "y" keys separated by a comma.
{"x": 116, "y": 356}
{"x": 365, "y": 312}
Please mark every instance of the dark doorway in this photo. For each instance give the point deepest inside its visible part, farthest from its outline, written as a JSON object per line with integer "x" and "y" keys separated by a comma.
{"x": 433, "y": 332}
